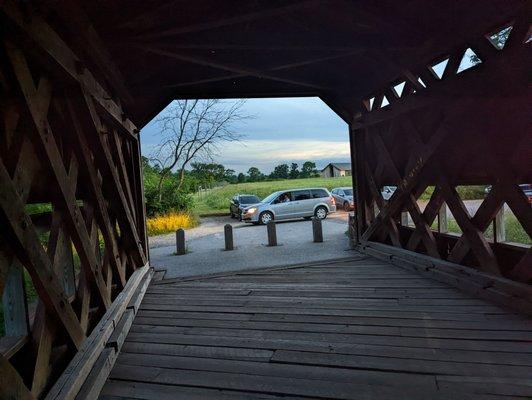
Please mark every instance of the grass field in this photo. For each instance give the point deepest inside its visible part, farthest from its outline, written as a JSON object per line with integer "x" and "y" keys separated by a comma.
{"x": 217, "y": 200}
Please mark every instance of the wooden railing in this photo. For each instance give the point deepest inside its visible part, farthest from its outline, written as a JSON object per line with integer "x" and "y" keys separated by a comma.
{"x": 72, "y": 219}
{"x": 459, "y": 119}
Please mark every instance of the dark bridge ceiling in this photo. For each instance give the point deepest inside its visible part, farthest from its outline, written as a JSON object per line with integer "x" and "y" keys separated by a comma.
{"x": 339, "y": 50}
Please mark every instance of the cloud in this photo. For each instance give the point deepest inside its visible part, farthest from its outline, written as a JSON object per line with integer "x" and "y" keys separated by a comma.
{"x": 265, "y": 154}
{"x": 284, "y": 130}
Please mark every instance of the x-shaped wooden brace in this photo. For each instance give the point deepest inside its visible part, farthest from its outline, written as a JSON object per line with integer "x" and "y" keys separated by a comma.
{"x": 473, "y": 239}
{"x": 410, "y": 199}
{"x": 407, "y": 184}
{"x": 38, "y": 101}
{"x": 111, "y": 181}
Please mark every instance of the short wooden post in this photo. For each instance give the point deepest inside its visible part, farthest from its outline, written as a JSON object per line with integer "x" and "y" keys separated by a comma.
{"x": 272, "y": 233}
{"x": 228, "y": 231}
{"x": 317, "y": 230}
{"x": 180, "y": 242}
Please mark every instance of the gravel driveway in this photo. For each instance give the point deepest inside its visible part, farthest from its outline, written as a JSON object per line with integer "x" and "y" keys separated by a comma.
{"x": 206, "y": 242}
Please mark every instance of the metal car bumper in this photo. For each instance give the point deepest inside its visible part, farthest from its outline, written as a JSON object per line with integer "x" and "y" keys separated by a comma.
{"x": 250, "y": 217}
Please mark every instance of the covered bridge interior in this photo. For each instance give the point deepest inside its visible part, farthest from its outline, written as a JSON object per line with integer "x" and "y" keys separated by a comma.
{"x": 435, "y": 94}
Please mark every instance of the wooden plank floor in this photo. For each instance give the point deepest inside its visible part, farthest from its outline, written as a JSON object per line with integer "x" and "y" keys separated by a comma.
{"x": 360, "y": 329}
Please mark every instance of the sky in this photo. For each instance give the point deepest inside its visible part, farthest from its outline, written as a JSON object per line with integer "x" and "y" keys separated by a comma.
{"x": 283, "y": 130}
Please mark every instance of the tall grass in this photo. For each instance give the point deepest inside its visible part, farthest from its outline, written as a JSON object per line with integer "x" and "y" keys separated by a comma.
{"x": 217, "y": 200}
{"x": 171, "y": 222}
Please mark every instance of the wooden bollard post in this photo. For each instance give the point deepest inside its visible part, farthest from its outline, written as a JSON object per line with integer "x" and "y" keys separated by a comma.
{"x": 228, "y": 231}
{"x": 180, "y": 242}
{"x": 317, "y": 230}
{"x": 272, "y": 234}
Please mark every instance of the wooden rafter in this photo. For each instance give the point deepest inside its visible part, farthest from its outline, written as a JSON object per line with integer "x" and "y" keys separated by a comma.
{"x": 199, "y": 60}
{"x": 252, "y": 16}
{"x": 268, "y": 71}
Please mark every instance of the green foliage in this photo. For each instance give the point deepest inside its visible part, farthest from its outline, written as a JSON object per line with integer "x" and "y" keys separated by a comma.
{"x": 254, "y": 175}
{"x": 171, "y": 198}
{"x": 473, "y": 192}
{"x": 241, "y": 178}
{"x": 294, "y": 171}
{"x": 230, "y": 176}
{"x": 207, "y": 173}
{"x": 38, "y": 208}
{"x": 308, "y": 170}
{"x": 280, "y": 172}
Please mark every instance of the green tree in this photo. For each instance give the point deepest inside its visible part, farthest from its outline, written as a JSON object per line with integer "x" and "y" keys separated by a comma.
{"x": 309, "y": 170}
{"x": 280, "y": 172}
{"x": 230, "y": 176}
{"x": 294, "y": 171}
{"x": 254, "y": 175}
{"x": 208, "y": 172}
{"x": 241, "y": 178}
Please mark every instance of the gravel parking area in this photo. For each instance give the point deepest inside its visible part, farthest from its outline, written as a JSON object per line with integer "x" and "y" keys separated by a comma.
{"x": 206, "y": 254}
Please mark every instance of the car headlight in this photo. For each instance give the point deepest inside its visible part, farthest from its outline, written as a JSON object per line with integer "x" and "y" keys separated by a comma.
{"x": 251, "y": 210}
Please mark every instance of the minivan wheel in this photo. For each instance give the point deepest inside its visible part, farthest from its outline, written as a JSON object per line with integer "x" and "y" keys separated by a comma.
{"x": 265, "y": 217}
{"x": 320, "y": 213}
{"x": 346, "y": 206}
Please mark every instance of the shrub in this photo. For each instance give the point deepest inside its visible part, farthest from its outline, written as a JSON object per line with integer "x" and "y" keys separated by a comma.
{"x": 171, "y": 222}
{"x": 172, "y": 199}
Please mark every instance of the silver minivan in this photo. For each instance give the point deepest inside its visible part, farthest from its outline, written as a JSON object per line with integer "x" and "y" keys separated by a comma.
{"x": 290, "y": 204}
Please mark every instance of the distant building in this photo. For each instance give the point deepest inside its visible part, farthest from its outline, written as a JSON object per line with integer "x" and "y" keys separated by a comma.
{"x": 334, "y": 170}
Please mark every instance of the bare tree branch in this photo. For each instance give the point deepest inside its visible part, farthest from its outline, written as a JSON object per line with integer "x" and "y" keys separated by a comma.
{"x": 195, "y": 129}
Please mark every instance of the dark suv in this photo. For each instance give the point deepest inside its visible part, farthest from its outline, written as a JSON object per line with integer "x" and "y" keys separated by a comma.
{"x": 241, "y": 201}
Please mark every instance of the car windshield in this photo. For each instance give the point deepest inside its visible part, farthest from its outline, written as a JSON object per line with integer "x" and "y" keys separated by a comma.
{"x": 270, "y": 197}
{"x": 249, "y": 199}
{"x": 348, "y": 192}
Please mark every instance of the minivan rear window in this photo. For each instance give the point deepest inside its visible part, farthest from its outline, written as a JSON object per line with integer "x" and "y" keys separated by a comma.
{"x": 319, "y": 193}
{"x": 301, "y": 195}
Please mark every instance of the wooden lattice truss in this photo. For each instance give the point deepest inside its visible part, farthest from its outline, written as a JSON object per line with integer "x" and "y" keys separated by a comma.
{"x": 62, "y": 149}
{"x": 443, "y": 131}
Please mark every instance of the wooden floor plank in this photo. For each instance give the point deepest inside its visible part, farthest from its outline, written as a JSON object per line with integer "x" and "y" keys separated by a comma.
{"x": 281, "y": 370}
{"x": 203, "y": 336}
{"x": 329, "y": 319}
{"x": 361, "y": 328}
{"x": 249, "y": 349}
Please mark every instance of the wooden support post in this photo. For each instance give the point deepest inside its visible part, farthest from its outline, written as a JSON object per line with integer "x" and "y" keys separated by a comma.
{"x": 180, "y": 247}
{"x": 499, "y": 226}
{"x": 317, "y": 231}
{"x": 228, "y": 231}
{"x": 272, "y": 234}
{"x": 442, "y": 219}
{"x": 356, "y": 141}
